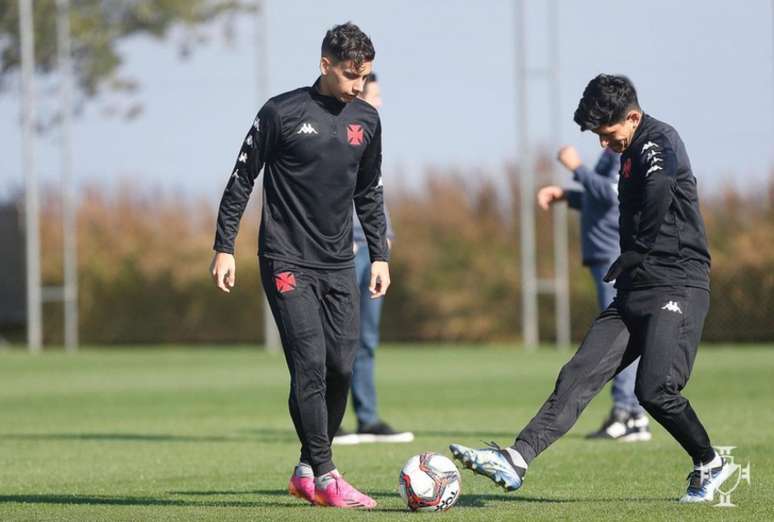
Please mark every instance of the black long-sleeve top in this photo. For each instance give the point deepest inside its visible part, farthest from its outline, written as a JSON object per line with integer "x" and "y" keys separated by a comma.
{"x": 660, "y": 216}
{"x": 318, "y": 155}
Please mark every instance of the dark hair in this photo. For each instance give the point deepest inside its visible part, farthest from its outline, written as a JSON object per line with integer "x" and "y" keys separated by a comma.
{"x": 606, "y": 101}
{"x": 347, "y": 42}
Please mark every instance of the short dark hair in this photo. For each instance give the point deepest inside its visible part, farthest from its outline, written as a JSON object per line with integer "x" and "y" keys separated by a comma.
{"x": 347, "y": 42}
{"x": 606, "y": 100}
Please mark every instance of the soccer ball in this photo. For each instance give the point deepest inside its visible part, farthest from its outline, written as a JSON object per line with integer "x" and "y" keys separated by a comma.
{"x": 429, "y": 482}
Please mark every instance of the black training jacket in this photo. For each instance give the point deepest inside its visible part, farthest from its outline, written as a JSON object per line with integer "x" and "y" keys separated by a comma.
{"x": 660, "y": 216}
{"x": 318, "y": 155}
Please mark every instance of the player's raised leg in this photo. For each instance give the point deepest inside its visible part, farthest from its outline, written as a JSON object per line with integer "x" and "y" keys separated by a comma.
{"x": 604, "y": 352}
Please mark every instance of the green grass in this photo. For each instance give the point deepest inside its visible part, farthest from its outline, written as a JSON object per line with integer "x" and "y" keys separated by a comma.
{"x": 191, "y": 434}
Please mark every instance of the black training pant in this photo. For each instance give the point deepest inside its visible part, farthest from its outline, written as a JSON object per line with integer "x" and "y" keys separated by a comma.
{"x": 317, "y": 315}
{"x": 663, "y": 325}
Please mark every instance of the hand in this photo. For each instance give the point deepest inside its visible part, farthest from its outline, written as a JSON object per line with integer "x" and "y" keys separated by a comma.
{"x": 223, "y": 271}
{"x": 549, "y": 195}
{"x": 569, "y": 157}
{"x": 380, "y": 279}
{"x": 624, "y": 263}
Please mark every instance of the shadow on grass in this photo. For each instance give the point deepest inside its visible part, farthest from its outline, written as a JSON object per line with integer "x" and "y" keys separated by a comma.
{"x": 100, "y": 500}
{"x": 482, "y": 434}
{"x": 258, "y": 435}
{"x": 270, "y": 435}
{"x": 473, "y": 500}
{"x": 119, "y": 437}
{"x": 271, "y": 492}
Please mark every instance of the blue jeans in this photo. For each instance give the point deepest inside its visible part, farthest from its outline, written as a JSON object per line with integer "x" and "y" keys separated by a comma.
{"x": 363, "y": 386}
{"x": 623, "y": 383}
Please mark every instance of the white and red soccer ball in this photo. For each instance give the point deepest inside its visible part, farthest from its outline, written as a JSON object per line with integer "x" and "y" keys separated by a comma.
{"x": 429, "y": 482}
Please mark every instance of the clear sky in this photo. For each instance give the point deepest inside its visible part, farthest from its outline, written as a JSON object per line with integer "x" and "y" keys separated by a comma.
{"x": 447, "y": 74}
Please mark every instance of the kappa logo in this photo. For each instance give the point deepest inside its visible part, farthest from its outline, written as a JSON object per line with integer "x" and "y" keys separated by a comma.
{"x": 652, "y": 155}
{"x": 285, "y": 282}
{"x": 307, "y": 128}
{"x": 653, "y": 169}
{"x": 672, "y": 306}
{"x": 355, "y": 134}
{"x": 626, "y": 171}
{"x": 651, "y": 150}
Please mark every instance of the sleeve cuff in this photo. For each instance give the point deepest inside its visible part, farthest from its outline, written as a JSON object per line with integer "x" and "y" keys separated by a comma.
{"x": 223, "y": 248}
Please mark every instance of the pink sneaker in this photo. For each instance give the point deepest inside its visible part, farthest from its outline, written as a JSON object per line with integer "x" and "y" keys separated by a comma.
{"x": 302, "y": 487}
{"x": 337, "y": 492}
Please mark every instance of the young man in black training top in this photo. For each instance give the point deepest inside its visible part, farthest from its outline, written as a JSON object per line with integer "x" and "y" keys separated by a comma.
{"x": 321, "y": 149}
{"x": 662, "y": 277}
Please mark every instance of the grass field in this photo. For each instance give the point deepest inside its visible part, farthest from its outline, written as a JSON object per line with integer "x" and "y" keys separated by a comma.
{"x": 194, "y": 434}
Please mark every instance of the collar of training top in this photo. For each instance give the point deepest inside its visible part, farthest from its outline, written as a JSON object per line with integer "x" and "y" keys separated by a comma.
{"x": 328, "y": 102}
{"x": 640, "y": 130}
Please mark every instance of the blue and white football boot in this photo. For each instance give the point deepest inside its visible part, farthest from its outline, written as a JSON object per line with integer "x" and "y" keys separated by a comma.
{"x": 492, "y": 462}
{"x": 702, "y": 483}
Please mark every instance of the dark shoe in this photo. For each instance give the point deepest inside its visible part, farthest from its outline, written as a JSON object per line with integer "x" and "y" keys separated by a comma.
{"x": 382, "y": 432}
{"x": 613, "y": 428}
{"x": 637, "y": 429}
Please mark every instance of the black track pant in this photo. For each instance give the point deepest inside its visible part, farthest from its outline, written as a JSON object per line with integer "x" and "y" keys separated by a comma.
{"x": 317, "y": 315}
{"x": 663, "y": 325}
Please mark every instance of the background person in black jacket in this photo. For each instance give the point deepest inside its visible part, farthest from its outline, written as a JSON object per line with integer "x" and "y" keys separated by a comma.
{"x": 662, "y": 277}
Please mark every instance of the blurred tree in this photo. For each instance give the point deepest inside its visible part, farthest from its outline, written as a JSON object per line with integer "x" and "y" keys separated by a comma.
{"x": 99, "y": 27}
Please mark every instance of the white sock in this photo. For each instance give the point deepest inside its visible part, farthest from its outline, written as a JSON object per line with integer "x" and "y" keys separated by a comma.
{"x": 516, "y": 457}
{"x": 714, "y": 463}
{"x": 324, "y": 480}
{"x": 303, "y": 470}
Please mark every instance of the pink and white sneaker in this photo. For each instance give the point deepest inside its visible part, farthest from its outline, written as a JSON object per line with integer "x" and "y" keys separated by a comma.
{"x": 332, "y": 490}
{"x": 302, "y": 486}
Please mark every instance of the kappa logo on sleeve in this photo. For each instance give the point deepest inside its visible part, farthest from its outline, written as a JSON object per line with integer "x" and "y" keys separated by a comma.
{"x": 652, "y": 153}
{"x": 285, "y": 282}
{"x": 355, "y": 134}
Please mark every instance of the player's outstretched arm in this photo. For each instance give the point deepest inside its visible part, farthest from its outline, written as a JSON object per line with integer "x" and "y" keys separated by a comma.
{"x": 223, "y": 271}
{"x": 380, "y": 279}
